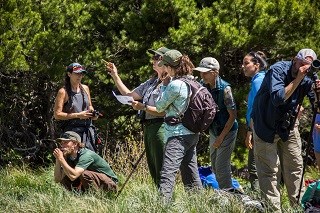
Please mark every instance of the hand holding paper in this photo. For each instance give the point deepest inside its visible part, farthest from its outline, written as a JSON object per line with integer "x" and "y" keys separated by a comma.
{"x": 123, "y": 99}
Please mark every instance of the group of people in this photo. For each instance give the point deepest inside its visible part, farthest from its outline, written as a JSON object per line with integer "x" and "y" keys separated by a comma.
{"x": 274, "y": 143}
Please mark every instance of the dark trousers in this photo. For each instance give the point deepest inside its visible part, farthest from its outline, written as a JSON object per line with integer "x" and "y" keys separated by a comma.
{"x": 154, "y": 144}
{"x": 90, "y": 179}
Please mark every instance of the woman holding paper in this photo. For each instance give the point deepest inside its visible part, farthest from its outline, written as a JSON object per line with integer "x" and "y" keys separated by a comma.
{"x": 144, "y": 97}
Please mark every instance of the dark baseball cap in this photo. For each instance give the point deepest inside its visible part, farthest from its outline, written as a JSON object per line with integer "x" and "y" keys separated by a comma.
{"x": 172, "y": 58}
{"x": 69, "y": 135}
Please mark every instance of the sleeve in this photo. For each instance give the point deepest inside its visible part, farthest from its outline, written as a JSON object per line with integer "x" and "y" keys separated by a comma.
{"x": 84, "y": 162}
{"x": 228, "y": 99}
{"x": 168, "y": 95}
{"x": 277, "y": 86}
{"x": 142, "y": 88}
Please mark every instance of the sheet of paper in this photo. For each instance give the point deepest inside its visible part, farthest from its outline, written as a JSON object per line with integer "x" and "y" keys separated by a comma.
{"x": 123, "y": 99}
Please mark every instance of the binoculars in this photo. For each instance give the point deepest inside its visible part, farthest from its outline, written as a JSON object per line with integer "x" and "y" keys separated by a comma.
{"x": 95, "y": 113}
{"x": 315, "y": 66}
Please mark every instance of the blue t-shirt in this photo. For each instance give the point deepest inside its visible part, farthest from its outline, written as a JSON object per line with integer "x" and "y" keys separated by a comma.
{"x": 256, "y": 82}
{"x": 316, "y": 135}
{"x": 270, "y": 107}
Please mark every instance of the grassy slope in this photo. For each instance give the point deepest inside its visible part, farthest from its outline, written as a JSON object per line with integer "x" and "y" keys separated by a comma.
{"x": 23, "y": 190}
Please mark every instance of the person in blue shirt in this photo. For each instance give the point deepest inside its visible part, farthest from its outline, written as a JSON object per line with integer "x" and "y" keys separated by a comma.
{"x": 316, "y": 129}
{"x": 180, "y": 149}
{"x": 276, "y": 137}
{"x": 224, "y": 128}
{"x": 254, "y": 65}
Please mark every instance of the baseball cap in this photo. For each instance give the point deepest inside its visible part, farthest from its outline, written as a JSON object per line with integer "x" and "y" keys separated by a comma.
{"x": 76, "y": 68}
{"x": 171, "y": 57}
{"x": 69, "y": 135}
{"x": 207, "y": 64}
{"x": 160, "y": 51}
{"x": 303, "y": 53}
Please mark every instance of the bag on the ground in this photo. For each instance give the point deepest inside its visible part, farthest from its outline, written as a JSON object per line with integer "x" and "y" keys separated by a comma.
{"x": 311, "y": 198}
{"x": 208, "y": 179}
{"x": 201, "y": 108}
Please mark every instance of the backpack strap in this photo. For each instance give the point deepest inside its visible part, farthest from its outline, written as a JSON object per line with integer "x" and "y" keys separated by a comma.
{"x": 180, "y": 114}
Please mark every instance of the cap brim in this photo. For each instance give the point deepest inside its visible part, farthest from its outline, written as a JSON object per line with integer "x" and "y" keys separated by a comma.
{"x": 202, "y": 69}
{"x": 63, "y": 139}
{"x": 154, "y": 52}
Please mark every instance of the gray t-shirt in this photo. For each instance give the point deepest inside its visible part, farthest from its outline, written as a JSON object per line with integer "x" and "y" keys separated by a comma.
{"x": 150, "y": 91}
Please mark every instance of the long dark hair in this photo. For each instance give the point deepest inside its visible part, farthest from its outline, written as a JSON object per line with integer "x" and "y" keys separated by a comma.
{"x": 259, "y": 57}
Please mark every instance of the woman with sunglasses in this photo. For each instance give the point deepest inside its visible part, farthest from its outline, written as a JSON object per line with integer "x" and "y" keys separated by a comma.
{"x": 145, "y": 96}
{"x": 254, "y": 66}
{"x": 73, "y": 107}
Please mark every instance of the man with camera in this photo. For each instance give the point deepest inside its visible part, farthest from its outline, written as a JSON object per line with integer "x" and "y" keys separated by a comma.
{"x": 78, "y": 168}
{"x": 277, "y": 139}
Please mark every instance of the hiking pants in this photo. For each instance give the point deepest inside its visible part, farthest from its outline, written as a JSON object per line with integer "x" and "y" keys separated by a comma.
{"x": 154, "y": 145}
{"x": 90, "y": 179}
{"x": 253, "y": 177}
{"x": 275, "y": 158}
{"x": 221, "y": 158}
{"x": 180, "y": 152}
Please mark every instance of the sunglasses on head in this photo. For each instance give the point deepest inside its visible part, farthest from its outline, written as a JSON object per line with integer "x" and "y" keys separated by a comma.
{"x": 77, "y": 68}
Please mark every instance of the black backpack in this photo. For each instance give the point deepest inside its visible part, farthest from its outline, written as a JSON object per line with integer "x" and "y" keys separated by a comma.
{"x": 200, "y": 111}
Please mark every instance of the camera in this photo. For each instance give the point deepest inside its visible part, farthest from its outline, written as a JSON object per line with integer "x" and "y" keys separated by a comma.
{"x": 95, "y": 113}
{"x": 141, "y": 115}
{"x": 288, "y": 120}
{"x": 315, "y": 66}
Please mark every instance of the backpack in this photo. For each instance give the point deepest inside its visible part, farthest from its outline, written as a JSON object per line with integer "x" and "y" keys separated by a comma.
{"x": 201, "y": 108}
{"x": 311, "y": 198}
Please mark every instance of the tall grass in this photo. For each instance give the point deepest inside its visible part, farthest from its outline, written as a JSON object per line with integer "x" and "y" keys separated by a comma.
{"x": 25, "y": 190}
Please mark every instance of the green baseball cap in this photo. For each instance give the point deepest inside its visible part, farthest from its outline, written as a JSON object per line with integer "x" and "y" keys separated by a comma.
{"x": 160, "y": 51}
{"x": 172, "y": 58}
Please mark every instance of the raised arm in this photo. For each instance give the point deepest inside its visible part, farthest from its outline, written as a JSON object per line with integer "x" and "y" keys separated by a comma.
{"x": 123, "y": 89}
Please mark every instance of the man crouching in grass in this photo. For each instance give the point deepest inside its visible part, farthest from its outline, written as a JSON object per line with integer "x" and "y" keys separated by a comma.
{"x": 78, "y": 168}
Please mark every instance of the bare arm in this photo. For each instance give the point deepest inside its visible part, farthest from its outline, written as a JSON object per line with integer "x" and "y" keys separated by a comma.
{"x": 123, "y": 89}
{"x": 72, "y": 173}
{"x": 62, "y": 98}
{"x": 149, "y": 109}
{"x": 58, "y": 172}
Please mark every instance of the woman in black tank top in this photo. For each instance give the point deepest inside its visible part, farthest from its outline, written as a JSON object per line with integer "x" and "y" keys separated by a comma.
{"x": 73, "y": 107}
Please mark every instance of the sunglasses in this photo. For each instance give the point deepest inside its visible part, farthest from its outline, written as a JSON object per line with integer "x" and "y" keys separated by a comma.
{"x": 156, "y": 57}
{"x": 77, "y": 68}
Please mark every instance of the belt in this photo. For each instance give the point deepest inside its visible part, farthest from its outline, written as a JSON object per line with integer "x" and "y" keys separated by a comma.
{"x": 153, "y": 120}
